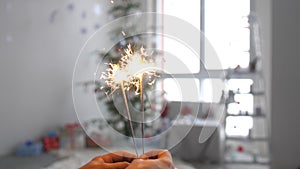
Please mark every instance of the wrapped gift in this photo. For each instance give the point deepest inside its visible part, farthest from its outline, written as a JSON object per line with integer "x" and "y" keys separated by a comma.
{"x": 71, "y": 136}
{"x": 51, "y": 141}
{"x": 30, "y": 148}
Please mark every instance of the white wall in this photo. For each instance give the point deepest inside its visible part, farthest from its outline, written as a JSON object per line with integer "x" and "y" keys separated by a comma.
{"x": 37, "y": 58}
{"x": 36, "y": 65}
{"x": 280, "y": 35}
{"x": 285, "y": 84}
{"x": 262, "y": 11}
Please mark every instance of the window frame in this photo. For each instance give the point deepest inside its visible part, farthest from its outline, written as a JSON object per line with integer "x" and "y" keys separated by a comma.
{"x": 204, "y": 73}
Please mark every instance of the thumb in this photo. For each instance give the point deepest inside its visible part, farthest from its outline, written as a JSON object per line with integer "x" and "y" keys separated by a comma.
{"x": 118, "y": 165}
{"x": 144, "y": 157}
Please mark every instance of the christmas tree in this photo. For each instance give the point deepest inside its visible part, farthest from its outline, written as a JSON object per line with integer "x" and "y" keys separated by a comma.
{"x": 115, "y": 119}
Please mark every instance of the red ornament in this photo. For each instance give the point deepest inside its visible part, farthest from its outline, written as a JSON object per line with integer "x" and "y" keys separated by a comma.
{"x": 118, "y": 50}
{"x": 240, "y": 149}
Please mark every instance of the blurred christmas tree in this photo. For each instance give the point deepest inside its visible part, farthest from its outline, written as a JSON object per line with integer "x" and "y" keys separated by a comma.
{"x": 120, "y": 9}
{"x": 115, "y": 119}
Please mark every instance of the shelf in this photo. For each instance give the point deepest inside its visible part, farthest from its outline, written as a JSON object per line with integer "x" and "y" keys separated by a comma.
{"x": 252, "y": 159}
{"x": 253, "y": 93}
{"x": 245, "y": 115}
{"x": 258, "y": 115}
{"x": 258, "y": 93}
{"x": 241, "y": 74}
{"x": 246, "y": 139}
{"x": 247, "y": 162}
{"x": 246, "y": 158}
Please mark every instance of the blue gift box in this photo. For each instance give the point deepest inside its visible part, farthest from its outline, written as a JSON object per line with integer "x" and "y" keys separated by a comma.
{"x": 30, "y": 148}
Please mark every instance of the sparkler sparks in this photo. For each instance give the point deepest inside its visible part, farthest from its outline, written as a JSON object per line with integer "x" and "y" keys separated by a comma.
{"x": 132, "y": 66}
{"x": 138, "y": 64}
{"x": 114, "y": 76}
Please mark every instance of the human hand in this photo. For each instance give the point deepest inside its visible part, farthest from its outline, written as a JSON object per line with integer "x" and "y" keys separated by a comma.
{"x": 116, "y": 160}
{"x": 156, "y": 159}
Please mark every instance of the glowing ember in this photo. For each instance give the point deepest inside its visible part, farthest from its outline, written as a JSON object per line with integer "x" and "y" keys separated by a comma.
{"x": 138, "y": 64}
{"x": 114, "y": 76}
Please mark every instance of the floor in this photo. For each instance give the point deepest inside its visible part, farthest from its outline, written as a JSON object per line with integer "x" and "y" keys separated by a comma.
{"x": 14, "y": 162}
{"x": 230, "y": 166}
{"x": 74, "y": 159}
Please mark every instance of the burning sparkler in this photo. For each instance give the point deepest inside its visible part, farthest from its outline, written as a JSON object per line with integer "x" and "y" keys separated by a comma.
{"x": 117, "y": 78}
{"x": 129, "y": 73}
{"x": 138, "y": 65}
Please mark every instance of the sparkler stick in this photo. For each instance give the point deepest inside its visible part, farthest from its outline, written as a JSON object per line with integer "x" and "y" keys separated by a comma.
{"x": 142, "y": 110}
{"x": 129, "y": 117}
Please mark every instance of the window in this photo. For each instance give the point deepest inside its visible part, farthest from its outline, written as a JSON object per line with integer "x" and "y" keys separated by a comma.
{"x": 227, "y": 29}
{"x": 179, "y": 59}
{"x": 238, "y": 126}
{"x": 211, "y": 90}
{"x": 240, "y": 85}
{"x": 225, "y": 25}
{"x": 188, "y": 10}
{"x": 181, "y": 89}
{"x": 243, "y": 104}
